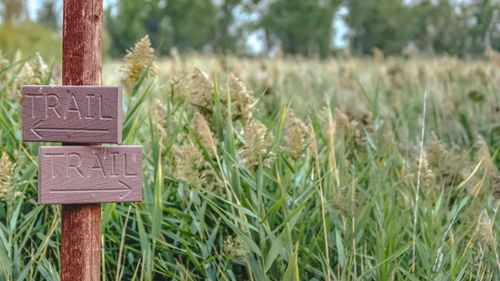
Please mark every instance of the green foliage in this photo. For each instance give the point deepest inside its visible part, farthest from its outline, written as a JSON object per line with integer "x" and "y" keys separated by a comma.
{"x": 30, "y": 38}
{"x": 437, "y": 27}
{"x": 383, "y": 24}
{"x": 185, "y": 24}
{"x": 48, "y": 15}
{"x": 301, "y": 27}
{"x": 225, "y": 199}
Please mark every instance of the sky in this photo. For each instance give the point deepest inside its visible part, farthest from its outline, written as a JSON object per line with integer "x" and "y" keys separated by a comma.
{"x": 254, "y": 40}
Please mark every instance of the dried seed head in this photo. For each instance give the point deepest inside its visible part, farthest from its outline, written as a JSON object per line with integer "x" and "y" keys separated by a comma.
{"x": 7, "y": 172}
{"x": 241, "y": 99}
{"x": 178, "y": 87}
{"x": 492, "y": 55}
{"x": 378, "y": 55}
{"x": 190, "y": 166}
{"x": 295, "y": 135}
{"x": 200, "y": 126}
{"x": 3, "y": 64}
{"x": 39, "y": 67}
{"x": 137, "y": 61}
{"x": 188, "y": 161}
{"x": 34, "y": 72}
{"x": 435, "y": 151}
{"x": 201, "y": 92}
{"x": 176, "y": 60}
{"x": 495, "y": 187}
{"x": 159, "y": 119}
{"x": 483, "y": 154}
{"x": 345, "y": 126}
{"x": 233, "y": 248}
{"x": 254, "y": 147}
{"x": 486, "y": 233}
{"x": 428, "y": 178}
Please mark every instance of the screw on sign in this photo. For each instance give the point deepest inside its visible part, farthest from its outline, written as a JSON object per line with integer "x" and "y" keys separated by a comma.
{"x": 81, "y": 177}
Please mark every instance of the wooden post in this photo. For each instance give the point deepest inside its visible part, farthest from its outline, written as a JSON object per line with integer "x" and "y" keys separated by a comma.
{"x": 82, "y": 65}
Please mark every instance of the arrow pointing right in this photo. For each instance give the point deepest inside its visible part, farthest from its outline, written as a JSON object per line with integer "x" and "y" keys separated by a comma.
{"x": 126, "y": 188}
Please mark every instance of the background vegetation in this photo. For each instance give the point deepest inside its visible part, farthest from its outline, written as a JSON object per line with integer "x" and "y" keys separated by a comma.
{"x": 458, "y": 28}
{"x": 299, "y": 169}
{"x": 307, "y": 161}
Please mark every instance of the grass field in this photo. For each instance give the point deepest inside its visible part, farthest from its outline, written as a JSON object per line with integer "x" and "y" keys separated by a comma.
{"x": 290, "y": 169}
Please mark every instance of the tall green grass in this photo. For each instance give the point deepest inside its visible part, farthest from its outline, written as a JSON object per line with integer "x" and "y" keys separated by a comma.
{"x": 342, "y": 210}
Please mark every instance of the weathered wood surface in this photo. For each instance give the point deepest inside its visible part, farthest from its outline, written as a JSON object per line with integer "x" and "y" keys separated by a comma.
{"x": 80, "y": 242}
{"x": 89, "y": 174}
{"x": 72, "y": 114}
{"x": 82, "y": 65}
{"x": 82, "y": 42}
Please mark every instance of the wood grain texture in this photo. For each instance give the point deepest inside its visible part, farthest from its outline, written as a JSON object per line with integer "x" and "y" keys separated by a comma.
{"x": 82, "y": 45}
{"x": 82, "y": 65}
{"x": 89, "y": 174}
{"x": 72, "y": 114}
{"x": 80, "y": 242}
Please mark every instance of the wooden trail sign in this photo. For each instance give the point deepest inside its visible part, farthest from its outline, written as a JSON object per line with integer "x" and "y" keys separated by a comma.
{"x": 72, "y": 114}
{"x": 81, "y": 177}
{"x": 89, "y": 174}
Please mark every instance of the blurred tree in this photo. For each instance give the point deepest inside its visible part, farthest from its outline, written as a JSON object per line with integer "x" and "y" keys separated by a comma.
{"x": 300, "y": 27}
{"x": 434, "y": 26}
{"x": 30, "y": 38}
{"x": 185, "y": 24}
{"x": 13, "y": 11}
{"x": 437, "y": 28}
{"x": 483, "y": 25}
{"x": 48, "y": 15}
{"x": 384, "y": 24}
{"x": 226, "y": 33}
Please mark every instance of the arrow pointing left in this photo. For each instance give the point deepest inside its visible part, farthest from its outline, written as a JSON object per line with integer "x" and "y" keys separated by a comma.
{"x": 36, "y": 130}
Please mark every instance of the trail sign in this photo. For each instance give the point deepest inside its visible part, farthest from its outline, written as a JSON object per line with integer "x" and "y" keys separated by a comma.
{"x": 72, "y": 114}
{"x": 89, "y": 174}
{"x": 81, "y": 177}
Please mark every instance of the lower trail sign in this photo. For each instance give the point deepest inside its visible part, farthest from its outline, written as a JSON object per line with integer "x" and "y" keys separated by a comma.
{"x": 89, "y": 174}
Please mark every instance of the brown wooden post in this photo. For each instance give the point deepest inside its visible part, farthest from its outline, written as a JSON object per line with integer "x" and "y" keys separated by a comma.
{"x": 82, "y": 65}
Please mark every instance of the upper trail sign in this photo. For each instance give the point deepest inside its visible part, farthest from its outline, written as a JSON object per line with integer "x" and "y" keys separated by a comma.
{"x": 72, "y": 114}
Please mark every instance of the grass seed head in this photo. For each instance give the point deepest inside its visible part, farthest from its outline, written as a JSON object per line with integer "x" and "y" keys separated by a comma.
{"x": 178, "y": 88}
{"x": 7, "y": 172}
{"x": 200, "y": 126}
{"x": 254, "y": 147}
{"x": 188, "y": 161}
{"x": 241, "y": 99}
{"x": 435, "y": 151}
{"x": 295, "y": 135}
{"x": 190, "y": 166}
{"x": 233, "y": 249}
{"x": 201, "y": 93}
{"x": 492, "y": 55}
{"x": 486, "y": 232}
{"x": 40, "y": 69}
{"x": 33, "y": 72}
{"x": 483, "y": 154}
{"x": 3, "y": 64}
{"x": 159, "y": 119}
{"x": 495, "y": 187}
{"x": 137, "y": 61}
{"x": 345, "y": 126}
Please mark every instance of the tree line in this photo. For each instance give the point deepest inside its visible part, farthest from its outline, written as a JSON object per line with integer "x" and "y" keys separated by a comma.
{"x": 461, "y": 28}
